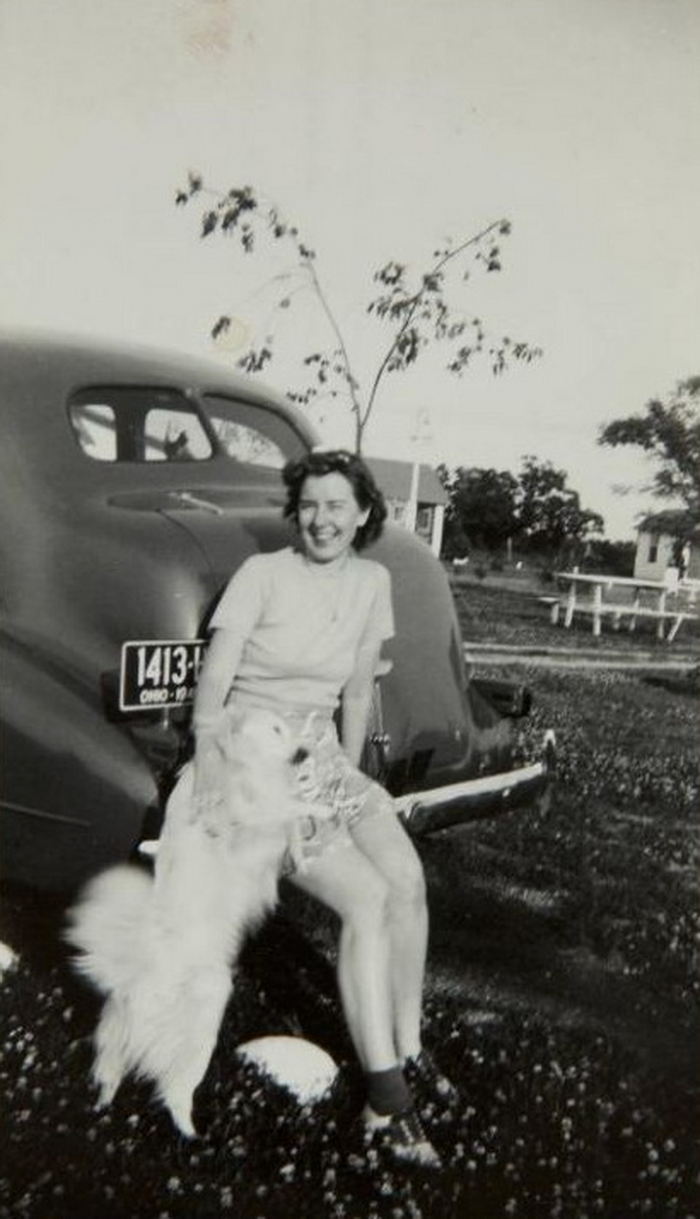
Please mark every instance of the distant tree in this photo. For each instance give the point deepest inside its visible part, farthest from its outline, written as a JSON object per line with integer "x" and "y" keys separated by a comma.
{"x": 415, "y": 310}
{"x": 536, "y": 509}
{"x": 613, "y": 558}
{"x": 482, "y": 509}
{"x": 550, "y": 516}
{"x": 670, "y": 433}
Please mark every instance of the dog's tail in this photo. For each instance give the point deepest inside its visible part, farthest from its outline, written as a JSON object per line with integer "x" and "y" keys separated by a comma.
{"x": 109, "y": 926}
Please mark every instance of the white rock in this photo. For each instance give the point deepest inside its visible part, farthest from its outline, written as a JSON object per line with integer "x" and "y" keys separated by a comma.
{"x": 8, "y": 958}
{"x": 302, "y": 1067}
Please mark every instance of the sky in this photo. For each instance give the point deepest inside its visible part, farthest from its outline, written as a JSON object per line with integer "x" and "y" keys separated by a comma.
{"x": 381, "y": 130}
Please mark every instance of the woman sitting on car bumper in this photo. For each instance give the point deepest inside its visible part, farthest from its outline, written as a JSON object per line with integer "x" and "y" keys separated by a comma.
{"x": 300, "y": 631}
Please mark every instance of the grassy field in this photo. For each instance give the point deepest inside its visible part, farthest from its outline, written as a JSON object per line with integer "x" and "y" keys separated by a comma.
{"x": 562, "y": 999}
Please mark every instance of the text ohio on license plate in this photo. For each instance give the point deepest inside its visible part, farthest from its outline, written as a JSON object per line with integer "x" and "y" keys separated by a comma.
{"x": 159, "y": 673}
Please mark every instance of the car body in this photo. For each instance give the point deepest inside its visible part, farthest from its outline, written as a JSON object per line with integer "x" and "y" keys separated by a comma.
{"x": 132, "y": 485}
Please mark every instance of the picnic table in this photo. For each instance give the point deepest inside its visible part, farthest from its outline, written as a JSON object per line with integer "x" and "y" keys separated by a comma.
{"x": 584, "y": 594}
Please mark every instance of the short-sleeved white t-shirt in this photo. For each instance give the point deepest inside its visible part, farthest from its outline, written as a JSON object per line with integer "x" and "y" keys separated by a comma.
{"x": 302, "y": 625}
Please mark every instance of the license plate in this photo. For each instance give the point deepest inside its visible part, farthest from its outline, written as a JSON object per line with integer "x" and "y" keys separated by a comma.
{"x": 159, "y": 673}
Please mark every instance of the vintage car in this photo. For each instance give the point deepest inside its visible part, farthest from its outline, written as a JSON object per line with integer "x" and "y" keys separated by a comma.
{"x": 132, "y": 485}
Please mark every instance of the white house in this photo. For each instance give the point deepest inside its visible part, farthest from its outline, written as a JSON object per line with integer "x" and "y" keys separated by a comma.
{"x": 414, "y": 496}
{"x": 654, "y": 557}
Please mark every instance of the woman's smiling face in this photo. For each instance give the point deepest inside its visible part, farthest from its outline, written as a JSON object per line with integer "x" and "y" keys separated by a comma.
{"x": 328, "y": 516}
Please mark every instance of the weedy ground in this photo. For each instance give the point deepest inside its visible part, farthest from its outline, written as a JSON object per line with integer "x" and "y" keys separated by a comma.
{"x": 562, "y": 999}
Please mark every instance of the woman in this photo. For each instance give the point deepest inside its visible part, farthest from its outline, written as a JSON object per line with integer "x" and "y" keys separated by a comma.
{"x": 300, "y": 630}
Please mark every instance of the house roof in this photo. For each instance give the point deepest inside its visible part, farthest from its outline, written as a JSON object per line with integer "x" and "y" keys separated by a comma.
{"x": 394, "y": 480}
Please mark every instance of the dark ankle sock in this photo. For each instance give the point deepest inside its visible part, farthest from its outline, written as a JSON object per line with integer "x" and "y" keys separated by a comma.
{"x": 388, "y": 1092}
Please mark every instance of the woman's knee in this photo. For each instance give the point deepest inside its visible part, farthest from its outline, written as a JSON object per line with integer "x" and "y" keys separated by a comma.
{"x": 407, "y": 883}
{"x": 370, "y": 908}
{"x": 384, "y": 841}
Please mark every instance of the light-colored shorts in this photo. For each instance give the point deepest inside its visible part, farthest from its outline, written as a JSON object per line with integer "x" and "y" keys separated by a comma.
{"x": 338, "y": 795}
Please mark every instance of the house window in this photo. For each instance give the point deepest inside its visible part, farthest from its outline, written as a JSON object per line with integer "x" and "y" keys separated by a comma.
{"x": 653, "y": 548}
{"x": 424, "y": 521}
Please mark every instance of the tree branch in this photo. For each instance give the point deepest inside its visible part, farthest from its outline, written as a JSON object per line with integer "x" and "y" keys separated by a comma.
{"x": 415, "y": 302}
{"x": 350, "y": 378}
{"x": 419, "y": 318}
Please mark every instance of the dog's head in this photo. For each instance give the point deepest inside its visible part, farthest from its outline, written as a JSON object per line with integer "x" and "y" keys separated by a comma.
{"x": 262, "y": 734}
{"x": 258, "y": 754}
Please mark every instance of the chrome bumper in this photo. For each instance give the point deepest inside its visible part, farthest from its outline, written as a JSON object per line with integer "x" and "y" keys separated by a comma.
{"x": 441, "y": 807}
{"x": 459, "y": 803}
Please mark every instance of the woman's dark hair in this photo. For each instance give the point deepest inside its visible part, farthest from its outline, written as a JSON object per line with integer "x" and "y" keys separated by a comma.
{"x": 338, "y": 461}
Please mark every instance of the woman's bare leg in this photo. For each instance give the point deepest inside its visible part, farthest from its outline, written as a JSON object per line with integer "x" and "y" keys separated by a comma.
{"x": 347, "y": 882}
{"x": 383, "y": 1014}
{"x": 383, "y": 840}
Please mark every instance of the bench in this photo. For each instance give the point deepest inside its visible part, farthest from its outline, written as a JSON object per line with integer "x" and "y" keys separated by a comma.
{"x": 554, "y": 605}
{"x": 617, "y": 613}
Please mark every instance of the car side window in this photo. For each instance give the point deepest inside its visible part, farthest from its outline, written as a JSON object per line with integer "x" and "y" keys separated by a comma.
{"x": 171, "y": 435}
{"x": 246, "y": 444}
{"x": 94, "y": 429}
{"x": 252, "y": 433}
{"x": 122, "y": 423}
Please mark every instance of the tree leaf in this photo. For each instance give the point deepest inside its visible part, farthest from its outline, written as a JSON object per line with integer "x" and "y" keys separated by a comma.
{"x": 209, "y": 223}
{"x": 220, "y": 326}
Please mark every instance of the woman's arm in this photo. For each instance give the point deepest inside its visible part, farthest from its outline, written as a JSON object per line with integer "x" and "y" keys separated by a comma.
{"x": 357, "y": 694}
{"x": 215, "y": 677}
{"x": 236, "y": 616}
{"x": 356, "y": 702}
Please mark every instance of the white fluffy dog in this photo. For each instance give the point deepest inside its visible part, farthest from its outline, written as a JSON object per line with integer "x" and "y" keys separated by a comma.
{"x": 162, "y": 949}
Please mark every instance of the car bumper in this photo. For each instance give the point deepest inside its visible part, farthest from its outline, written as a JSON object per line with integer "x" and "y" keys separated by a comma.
{"x": 459, "y": 803}
{"x": 426, "y": 812}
